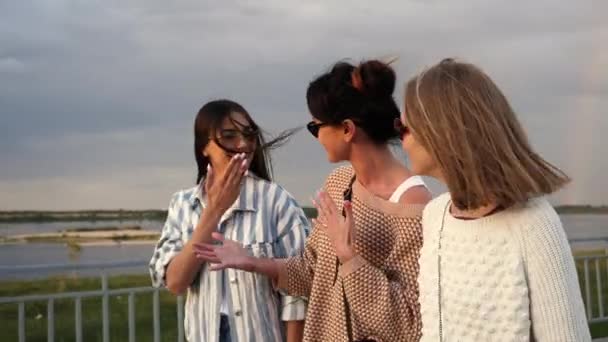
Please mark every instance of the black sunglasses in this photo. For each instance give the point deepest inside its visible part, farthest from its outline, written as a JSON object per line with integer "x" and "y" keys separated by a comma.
{"x": 400, "y": 128}
{"x": 314, "y": 127}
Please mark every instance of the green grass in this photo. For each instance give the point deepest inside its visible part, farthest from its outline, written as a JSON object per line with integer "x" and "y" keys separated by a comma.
{"x": 36, "y": 312}
{"x": 99, "y": 229}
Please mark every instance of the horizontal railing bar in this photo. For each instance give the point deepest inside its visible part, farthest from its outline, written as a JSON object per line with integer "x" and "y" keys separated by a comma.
{"x": 72, "y": 267}
{"x": 70, "y": 295}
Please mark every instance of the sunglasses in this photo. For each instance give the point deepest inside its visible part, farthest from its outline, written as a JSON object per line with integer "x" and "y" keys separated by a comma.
{"x": 400, "y": 128}
{"x": 229, "y": 140}
{"x": 314, "y": 127}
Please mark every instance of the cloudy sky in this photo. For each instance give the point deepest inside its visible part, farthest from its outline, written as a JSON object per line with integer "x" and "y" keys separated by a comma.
{"x": 97, "y": 98}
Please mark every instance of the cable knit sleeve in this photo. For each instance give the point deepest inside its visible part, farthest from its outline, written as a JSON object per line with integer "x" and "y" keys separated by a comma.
{"x": 556, "y": 305}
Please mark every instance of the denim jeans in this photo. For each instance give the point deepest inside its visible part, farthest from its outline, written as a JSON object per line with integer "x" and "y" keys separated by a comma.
{"x": 225, "y": 329}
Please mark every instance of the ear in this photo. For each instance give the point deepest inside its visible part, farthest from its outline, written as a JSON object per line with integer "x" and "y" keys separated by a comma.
{"x": 349, "y": 130}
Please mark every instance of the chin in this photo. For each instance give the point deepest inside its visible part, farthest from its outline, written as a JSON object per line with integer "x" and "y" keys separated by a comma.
{"x": 418, "y": 170}
{"x": 332, "y": 159}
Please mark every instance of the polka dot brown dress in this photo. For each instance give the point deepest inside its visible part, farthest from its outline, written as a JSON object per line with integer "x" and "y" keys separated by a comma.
{"x": 380, "y": 284}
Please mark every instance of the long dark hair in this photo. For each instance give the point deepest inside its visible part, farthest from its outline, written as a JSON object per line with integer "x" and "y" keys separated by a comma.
{"x": 209, "y": 119}
{"x": 362, "y": 93}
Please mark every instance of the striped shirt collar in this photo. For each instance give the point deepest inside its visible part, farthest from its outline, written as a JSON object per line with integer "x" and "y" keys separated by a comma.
{"x": 242, "y": 203}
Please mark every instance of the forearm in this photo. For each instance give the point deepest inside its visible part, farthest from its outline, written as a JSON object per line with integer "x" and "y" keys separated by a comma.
{"x": 184, "y": 266}
{"x": 295, "y": 331}
{"x": 265, "y": 266}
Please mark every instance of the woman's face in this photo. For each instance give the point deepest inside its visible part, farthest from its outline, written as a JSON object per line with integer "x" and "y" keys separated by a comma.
{"x": 235, "y": 135}
{"x": 421, "y": 161}
{"x": 334, "y": 140}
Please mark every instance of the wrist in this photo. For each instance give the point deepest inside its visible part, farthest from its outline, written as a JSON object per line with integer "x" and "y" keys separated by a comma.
{"x": 346, "y": 255}
{"x": 212, "y": 213}
{"x": 251, "y": 265}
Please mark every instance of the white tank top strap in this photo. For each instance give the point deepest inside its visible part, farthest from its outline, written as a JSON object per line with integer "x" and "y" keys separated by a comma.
{"x": 405, "y": 186}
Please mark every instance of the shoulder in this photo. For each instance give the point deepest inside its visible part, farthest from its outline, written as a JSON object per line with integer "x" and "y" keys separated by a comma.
{"x": 340, "y": 177}
{"x": 416, "y": 195}
{"x": 536, "y": 214}
{"x": 436, "y": 207}
{"x": 538, "y": 228}
{"x": 182, "y": 197}
{"x": 281, "y": 201}
{"x": 270, "y": 190}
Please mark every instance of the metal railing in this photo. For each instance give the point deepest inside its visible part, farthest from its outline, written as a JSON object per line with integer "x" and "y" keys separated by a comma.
{"x": 594, "y": 270}
{"x": 105, "y": 293}
{"x": 600, "y": 273}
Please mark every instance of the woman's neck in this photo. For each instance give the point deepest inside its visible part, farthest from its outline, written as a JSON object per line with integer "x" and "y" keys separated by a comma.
{"x": 375, "y": 164}
{"x": 476, "y": 213}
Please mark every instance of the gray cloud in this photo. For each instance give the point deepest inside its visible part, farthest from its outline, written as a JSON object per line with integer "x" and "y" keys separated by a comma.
{"x": 98, "y": 98}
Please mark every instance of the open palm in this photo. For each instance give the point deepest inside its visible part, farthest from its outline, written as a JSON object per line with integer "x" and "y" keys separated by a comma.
{"x": 229, "y": 254}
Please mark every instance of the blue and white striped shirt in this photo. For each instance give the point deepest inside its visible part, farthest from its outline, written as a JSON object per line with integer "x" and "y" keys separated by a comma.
{"x": 269, "y": 223}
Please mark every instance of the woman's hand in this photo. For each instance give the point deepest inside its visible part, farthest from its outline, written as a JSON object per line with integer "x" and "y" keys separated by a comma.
{"x": 339, "y": 229}
{"x": 229, "y": 254}
{"x": 222, "y": 190}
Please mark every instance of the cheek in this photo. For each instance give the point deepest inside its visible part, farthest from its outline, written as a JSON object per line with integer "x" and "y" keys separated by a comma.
{"x": 332, "y": 147}
{"x": 420, "y": 160}
{"x": 217, "y": 156}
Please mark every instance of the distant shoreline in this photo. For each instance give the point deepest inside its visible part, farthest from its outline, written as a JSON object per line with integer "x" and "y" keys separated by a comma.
{"x": 82, "y": 237}
{"x": 27, "y": 216}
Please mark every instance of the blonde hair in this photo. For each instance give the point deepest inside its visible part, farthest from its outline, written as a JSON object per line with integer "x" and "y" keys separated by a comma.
{"x": 465, "y": 122}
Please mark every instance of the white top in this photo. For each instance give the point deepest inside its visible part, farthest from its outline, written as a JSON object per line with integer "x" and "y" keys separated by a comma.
{"x": 405, "y": 186}
{"x": 509, "y": 276}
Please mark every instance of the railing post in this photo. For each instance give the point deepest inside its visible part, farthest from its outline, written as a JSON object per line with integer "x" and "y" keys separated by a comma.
{"x": 180, "y": 318}
{"x": 50, "y": 320}
{"x": 156, "y": 315}
{"x": 21, "y": 322}
{"x": 131, "y": 317}
{"x": 105, "y": 311}
{"x": 598, "y": 282}
{"x": 587, "y": 289}
{"x": 78, "y": 318}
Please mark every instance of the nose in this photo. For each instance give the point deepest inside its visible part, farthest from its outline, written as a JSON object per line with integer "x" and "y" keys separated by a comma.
{"x": 242, "y": 144}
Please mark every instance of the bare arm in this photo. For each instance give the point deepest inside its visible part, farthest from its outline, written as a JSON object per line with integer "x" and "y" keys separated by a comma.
{"x": 295, "y": 331}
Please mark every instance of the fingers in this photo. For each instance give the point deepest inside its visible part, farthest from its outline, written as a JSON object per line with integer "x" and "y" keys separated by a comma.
{"x": 329, "y": 203}
{"x": 237, "y": 170}
{"x": 217, "y": 267}
{"x": 218, "y": 237}
{"x": 204, "y": 247}
{"x": 232, "y": 168}
{"x": 210, "y": 178}
{"x": 208, "y": 257}
{"x": 319, "y": 223}
{"x": 316, "y": 201}
{"x": 348, "y": 211}
{"x": 326, "y": 204}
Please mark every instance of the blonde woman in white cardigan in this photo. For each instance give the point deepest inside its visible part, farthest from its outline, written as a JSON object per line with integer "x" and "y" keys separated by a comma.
{"x": 495, "y": 263}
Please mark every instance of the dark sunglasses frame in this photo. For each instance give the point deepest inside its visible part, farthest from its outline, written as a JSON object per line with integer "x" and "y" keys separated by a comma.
{"x": 314, "y": 127}
{"x": 250, "y": 136}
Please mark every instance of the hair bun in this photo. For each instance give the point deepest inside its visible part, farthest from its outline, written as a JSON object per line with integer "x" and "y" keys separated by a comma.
{"x": 378, "y": 78}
